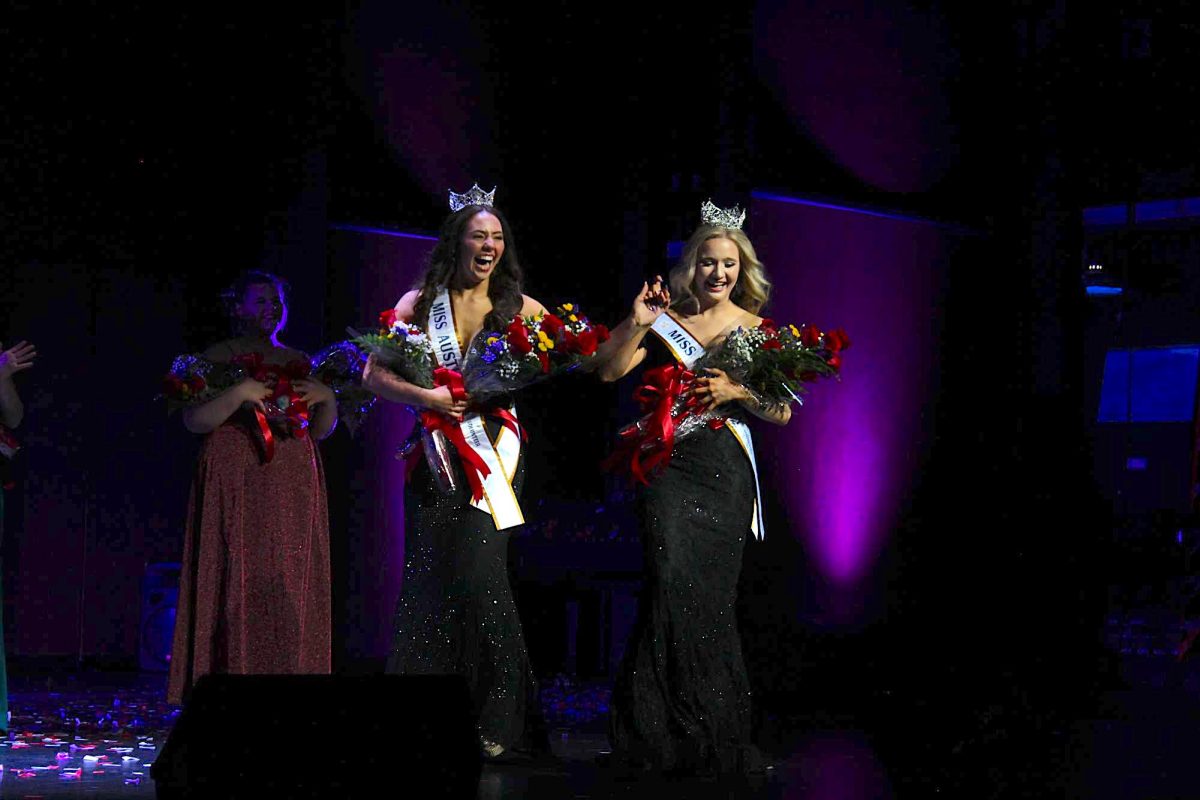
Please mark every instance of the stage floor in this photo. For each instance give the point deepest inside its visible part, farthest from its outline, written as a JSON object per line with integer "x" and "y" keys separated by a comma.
{"x": 95, "y": 735}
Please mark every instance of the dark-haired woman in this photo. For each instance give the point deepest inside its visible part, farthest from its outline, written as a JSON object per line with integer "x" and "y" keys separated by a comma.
{"x": 456, "y": 614}
{"x": 254, "y": 594}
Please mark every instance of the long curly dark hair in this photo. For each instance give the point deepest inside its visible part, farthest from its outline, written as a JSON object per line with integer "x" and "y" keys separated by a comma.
{"x": 504, "y": 288}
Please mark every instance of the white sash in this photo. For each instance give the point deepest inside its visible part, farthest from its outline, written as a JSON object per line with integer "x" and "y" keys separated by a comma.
{"x": 687, "y": 350}
{"x": 501, "y": 456}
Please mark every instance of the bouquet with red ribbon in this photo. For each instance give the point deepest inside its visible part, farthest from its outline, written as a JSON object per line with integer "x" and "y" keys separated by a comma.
{"x": 284, "y": 408}
{"x": 773, "y": 363}
{"x": 405, "y": 349}
{"x": 194, "y": 380}
{"x": 495, "y": 363}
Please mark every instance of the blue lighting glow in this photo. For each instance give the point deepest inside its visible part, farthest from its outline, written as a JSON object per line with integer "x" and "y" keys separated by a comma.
{"x": 1150, "y": 384}
{"x": 806, "y": 201}
{"x": 381, "y": 232}
{"x": 1145, "y": 211}
{"x": 1104, "y": 290}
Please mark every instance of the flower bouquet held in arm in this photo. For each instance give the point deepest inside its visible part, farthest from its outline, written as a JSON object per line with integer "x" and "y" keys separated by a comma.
{"x": 340, "y": 366}
{"x": 402, "y": 348}
{"x": 406, "y": 350}
{"x": 194, "y": 380}
{"x": 496, "y": 363}
{"x": 529, "y": 350}
{"x": 774, "y": 364}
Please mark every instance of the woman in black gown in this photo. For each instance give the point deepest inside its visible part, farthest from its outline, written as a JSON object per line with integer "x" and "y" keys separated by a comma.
{"x": 456, "y": 614}
{"x": 681, "y": 701}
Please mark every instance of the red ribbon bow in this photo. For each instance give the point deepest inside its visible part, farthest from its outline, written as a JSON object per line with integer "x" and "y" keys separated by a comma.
{"x": 646, "y": 445}
{"x": 476, "y": 468}
{"x": 280, "y": 378}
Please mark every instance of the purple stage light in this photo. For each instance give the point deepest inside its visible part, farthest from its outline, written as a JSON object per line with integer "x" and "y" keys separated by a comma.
{"x": 845, "y": 464}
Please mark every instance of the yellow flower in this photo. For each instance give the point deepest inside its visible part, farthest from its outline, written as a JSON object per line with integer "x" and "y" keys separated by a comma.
{"x": 542, "y": 346}
{"x": 795, "y": 332}
{"x": 391, "y": 336}
{"x": 493, "y": 339}
{"x": 572, "y": 318}
{"x": 568, "y": 307}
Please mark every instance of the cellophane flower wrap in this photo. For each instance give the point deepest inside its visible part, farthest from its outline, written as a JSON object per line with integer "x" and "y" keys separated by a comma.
{"x": 774, "y": 363}
{"x": 340, "y": 367}
{"x": 530, "y": 349}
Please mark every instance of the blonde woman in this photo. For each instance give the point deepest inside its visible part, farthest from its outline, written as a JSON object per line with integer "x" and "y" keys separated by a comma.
{"x": 681, "y": 702}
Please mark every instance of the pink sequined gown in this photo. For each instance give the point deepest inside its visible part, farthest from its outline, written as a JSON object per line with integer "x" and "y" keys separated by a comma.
{"x": 254, "y": 594}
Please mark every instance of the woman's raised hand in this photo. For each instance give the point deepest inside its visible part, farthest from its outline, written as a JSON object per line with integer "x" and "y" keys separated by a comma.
{"x": 651, "y": 302}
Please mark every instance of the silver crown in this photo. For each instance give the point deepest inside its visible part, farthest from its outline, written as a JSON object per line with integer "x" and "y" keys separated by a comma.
{"x": 731, "y": 217}
{"x": 472, "y": 197}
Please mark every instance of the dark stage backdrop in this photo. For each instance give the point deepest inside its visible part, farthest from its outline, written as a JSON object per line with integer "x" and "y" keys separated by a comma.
{"x": 369, "y": 270}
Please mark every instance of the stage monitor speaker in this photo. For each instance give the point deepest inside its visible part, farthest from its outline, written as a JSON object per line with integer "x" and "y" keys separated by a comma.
{"x": 308, "y": 736}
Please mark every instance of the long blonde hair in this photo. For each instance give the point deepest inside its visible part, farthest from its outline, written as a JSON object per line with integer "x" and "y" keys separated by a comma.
{"x": 752, "y": 290}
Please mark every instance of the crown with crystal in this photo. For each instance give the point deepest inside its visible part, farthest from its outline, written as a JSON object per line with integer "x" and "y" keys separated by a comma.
{"x": 731, "y": 217}
{"x": 472, "y": 197}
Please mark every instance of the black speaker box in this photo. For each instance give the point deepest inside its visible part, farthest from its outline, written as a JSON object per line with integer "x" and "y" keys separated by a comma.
{"x": 301, "y": 736}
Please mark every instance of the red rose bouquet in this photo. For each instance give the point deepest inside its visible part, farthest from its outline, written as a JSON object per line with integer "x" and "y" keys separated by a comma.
{"x": 773, "y": 363}
{"x": 530, "y": 349}
{"x": 194, "y": 380}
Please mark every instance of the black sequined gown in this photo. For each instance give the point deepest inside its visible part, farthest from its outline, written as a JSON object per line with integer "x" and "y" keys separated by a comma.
{"x": 681, "y": 700}
{"x": 456, "y": 613}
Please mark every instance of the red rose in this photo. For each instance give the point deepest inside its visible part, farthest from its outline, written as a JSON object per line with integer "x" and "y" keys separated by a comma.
{"x": 552, "y": 325}
{"x": 810, "y": 335}
{"x": 570, "y": 343}
{"x": 253, "y": 364}
{"x": 544, "y": 357}
{"x": 172, "y": 385}
{"x": 518, "y": 337}
{"x": 835, "y": 361}
{"x": 196, "y": 383}
{"x": 767, "y": 324}
{"x": 837, "y": 340}
{"x": 387, "y": 318}
{"x": 587, "y": 342}
{"x": 601, "y": 332}
{"x": 772, "y": 344}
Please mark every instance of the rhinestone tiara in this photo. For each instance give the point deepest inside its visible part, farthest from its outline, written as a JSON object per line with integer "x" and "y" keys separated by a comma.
{"x": 472, "y": 197}
{"x": 731, "y": 217}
